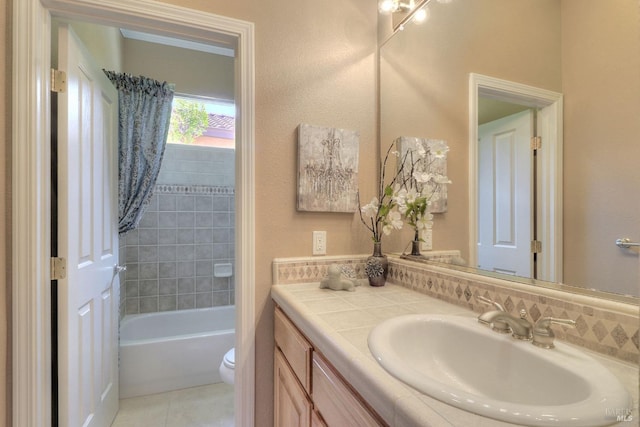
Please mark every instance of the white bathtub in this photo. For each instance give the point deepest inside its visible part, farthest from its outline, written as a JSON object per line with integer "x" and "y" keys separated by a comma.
{"x": 173, "y": 350}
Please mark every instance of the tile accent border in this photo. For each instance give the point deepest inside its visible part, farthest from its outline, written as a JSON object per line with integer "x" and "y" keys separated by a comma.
{"x": 192, "y": 189}
{"x": 314, "y": 269}
{"x": 604, "y": 326}
{"x": 287, "y": 271}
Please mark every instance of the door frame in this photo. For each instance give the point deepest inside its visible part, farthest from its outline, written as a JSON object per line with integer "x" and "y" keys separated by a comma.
{"x": 31, "y": 193}
{"x": 549, "y": 181}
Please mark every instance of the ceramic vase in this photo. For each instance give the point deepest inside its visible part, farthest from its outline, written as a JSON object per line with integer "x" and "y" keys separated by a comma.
{"x": 415, "y": 248}
{"x": 377, "y": 266}
{"x": 415, "y": 245}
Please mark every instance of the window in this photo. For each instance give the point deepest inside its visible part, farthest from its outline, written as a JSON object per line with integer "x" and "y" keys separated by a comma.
{"x": 202, "y": 122}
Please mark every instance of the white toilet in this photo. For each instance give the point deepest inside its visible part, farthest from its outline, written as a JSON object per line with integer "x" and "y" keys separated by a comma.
{"x": 227, "y": 367}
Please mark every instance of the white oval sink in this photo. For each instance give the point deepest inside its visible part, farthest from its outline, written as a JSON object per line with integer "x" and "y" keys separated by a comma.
{"x": 460, "y": 362}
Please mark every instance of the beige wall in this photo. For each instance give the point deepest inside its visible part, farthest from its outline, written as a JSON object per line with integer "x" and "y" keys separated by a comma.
{"x": 424, "y": 84}
{"x": 602, "y": 151}
{"x": 5, "y": 215}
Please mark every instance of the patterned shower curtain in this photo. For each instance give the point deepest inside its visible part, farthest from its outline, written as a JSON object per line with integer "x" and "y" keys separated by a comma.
{"x": 144, "y": 107}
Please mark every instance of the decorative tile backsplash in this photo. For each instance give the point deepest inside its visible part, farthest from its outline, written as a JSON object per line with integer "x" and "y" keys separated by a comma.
{"x": 606, "y": 327}
{"x": 610, "y": 328}
{"x": 307, "y": 270}
{"x": 171, "y": 257}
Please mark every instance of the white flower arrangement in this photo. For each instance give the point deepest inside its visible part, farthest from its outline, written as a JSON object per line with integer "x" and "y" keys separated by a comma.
{"x": 422, "y": 189}
{"x": 411, "y": 191}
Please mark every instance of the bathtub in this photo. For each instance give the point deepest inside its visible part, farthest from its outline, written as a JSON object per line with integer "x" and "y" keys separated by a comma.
{"x": 173, "y": 350}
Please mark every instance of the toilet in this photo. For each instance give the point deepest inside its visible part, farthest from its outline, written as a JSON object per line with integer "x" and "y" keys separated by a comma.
{"x": 227, "y": 367}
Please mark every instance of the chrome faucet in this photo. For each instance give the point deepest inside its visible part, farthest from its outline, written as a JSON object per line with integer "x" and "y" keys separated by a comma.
{"x": 543, "y": 335}
{"x": 489, "y": 301}
{"x": 520, "y": 327}
{"x": 497, "y": 326}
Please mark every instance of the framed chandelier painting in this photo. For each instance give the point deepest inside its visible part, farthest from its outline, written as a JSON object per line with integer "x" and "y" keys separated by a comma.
{"x": 327, "y": 169}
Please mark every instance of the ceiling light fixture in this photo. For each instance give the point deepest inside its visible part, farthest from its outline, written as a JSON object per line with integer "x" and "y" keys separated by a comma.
{"x": 415, "y": 11}
{"x": 386, "y": 7}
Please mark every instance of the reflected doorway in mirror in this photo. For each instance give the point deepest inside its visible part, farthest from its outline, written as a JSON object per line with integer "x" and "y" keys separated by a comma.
{"x": 546, "y": 187}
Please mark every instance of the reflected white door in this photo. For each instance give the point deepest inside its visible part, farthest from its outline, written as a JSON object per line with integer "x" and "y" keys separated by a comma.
{"x": 88, "y": 239}
{"x": 505, "y": 195}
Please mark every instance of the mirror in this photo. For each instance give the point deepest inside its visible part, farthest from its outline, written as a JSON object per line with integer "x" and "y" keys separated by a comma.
{"x": 584, "y": 50}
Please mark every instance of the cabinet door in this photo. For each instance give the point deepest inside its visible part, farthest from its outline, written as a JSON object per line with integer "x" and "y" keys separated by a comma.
{"x": 316, "y": 420}
{"x": 335, "y": 401}
{"x": 292, "y": 407}
{"x": 295, "y": 348}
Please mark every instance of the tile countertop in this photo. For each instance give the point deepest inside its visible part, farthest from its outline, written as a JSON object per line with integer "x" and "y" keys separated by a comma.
{"x": 338, "y": 324}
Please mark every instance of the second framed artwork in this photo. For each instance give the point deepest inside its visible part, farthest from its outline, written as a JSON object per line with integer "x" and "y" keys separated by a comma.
{"x": 327, "y": 169}
{"x": 434, "y": 164}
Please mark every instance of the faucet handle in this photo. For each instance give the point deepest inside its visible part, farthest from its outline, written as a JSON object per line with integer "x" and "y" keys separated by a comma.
{"x": 543, "y": 335}
{"x": 488, "y": 301}
{"x": 498, "y": 326}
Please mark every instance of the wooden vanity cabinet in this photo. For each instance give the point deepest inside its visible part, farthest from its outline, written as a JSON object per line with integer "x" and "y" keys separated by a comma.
{"x": 292, "y": 406}
{"x": 292, "y": 375}
{"x": 308, "y": 391}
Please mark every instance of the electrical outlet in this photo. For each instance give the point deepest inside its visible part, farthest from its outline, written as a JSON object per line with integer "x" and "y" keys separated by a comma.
{"x": 319, "y": 242}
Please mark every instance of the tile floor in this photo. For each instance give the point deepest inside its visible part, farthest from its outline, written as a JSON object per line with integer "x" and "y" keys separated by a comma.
{"x": 205, "y": 406}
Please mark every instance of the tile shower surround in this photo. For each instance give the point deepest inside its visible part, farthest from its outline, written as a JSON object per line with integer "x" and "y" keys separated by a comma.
{"x": 606, "y": 327}
{"x": 170, "y": 258}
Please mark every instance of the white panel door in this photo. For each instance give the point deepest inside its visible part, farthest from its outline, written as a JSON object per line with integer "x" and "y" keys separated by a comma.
{"x": 88, "y": 239}
{"x": 505, "y": 195}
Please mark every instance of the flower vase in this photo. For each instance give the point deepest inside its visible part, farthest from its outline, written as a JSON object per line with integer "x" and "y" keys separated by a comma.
{"x": 415, "y": 248}
{"x": 377, "y": 266}
{"x": 415, "y": 254}
{"x": 415, "y": 245}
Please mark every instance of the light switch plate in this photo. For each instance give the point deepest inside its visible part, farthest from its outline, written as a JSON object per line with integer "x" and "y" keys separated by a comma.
{"x": 319, "y": 242}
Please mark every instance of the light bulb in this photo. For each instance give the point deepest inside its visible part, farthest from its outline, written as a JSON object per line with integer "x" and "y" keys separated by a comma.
{"x": 387, "y": 6}
{"x": 421, "y": 15}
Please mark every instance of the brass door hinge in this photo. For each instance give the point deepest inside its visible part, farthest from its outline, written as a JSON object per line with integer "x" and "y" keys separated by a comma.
{"x": 58, "y": 81}
{"x": 536, "y": 246}
{"x": 58, "y": 268}
{"x": 536, "y": 142}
